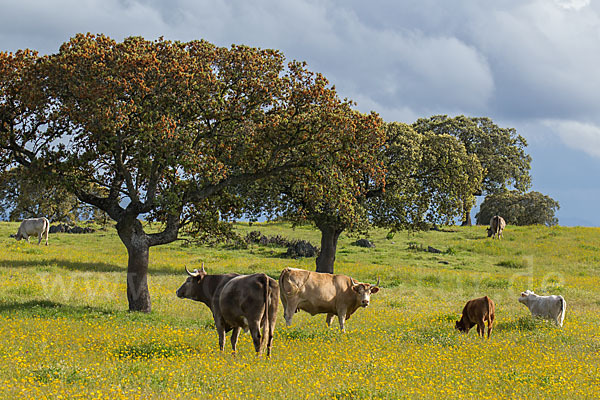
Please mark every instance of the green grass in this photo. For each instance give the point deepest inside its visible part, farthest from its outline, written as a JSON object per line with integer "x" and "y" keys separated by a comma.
{"x": 65, "y": 330}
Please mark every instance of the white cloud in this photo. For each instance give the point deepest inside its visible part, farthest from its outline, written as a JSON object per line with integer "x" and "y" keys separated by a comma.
{"x": 578, "y": 135}
{"x": 573, "y": 4}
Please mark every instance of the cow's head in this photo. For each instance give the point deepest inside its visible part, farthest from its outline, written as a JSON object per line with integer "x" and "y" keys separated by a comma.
{"x": 525, "y": 296}
{"x": 18, "y": 236}
{"x": 192, "y": 288}
{"x": 364, "y": 291}
{"x": 462, "y": 325}
{"x": 490, "y": 232}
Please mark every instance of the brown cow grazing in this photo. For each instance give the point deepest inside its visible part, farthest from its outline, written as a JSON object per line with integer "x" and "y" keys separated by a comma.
{"x": 237, "y": 302}
{"x": 497, "y": 225}
{"x": 322, "y": 293}
{"x": 476, "y": 312}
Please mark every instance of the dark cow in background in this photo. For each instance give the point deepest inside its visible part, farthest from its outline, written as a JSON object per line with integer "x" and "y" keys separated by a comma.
{"x": 320, "y": 293}
{"x": 476, "y": 312}
{"x": 33, "y": 227}
{"x": 497, "y": 225}
{"x": 237, "y": 302}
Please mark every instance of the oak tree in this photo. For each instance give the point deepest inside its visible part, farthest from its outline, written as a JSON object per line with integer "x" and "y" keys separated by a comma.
{"x": 167, "y": 130}
{"x": 519, "y": 208}
{"x": 22, "y": 197}
{"x": 419, "y": 179}
{"x": 501, "y": 152}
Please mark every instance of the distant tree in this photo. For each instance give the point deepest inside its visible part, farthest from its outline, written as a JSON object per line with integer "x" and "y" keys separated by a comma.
{"x": 429, "y": 178}
{"x": 417, "y": 179}
{"x": 167, "y": 130}
{"x": 519, "y": 208}
{"x": 23, "y": 197}
{"x": 501, "y": 152}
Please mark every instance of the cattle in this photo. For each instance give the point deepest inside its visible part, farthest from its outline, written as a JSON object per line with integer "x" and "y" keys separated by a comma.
{"x": 32, "y": 227}
{"x": 476, "y": 312}
{"x": 247, "y": 302}
{"x": 548, "y": 307}
{"x": 323, "y": 293}
{"x": 497, "y": 225}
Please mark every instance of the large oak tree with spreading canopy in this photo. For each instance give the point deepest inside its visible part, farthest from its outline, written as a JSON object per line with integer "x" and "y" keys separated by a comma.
{"x": 166, "y": 129}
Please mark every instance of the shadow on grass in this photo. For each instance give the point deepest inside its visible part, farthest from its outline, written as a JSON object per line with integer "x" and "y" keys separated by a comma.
{"x": 51, "y": 310}
{"x": 47, "y": 308}
{"x": 43, "y": 265}
{"x": 522, "y": 324}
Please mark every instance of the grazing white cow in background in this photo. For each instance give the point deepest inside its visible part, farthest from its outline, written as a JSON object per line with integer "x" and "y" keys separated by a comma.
{"x": 32, "y": 227}
{"x": 548, "y": 307}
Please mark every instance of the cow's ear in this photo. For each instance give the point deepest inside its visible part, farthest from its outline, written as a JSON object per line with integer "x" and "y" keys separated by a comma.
{"x": 374, "y": 289}
{"x": 356, "y": 288}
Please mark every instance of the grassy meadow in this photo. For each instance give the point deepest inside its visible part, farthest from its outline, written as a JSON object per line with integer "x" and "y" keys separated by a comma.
{"x": 65, "y": 332}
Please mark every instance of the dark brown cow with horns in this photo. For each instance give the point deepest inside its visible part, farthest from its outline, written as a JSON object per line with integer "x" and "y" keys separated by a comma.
{"x": 237, "y": 302}
{"x": 322, "y": 293}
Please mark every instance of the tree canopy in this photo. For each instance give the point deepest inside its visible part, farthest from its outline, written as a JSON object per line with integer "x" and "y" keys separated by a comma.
{"x": 418, "y": 179}
{"x": 519, "y": 208}
{"x": 501, "y": 151}
{"x": 429, "y": 177}
{"x": 22, "y": 197}
{"x": 167, "y": 130}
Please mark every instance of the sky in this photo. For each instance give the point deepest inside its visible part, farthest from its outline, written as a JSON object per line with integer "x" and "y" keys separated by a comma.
{"x": 532, "y": 65}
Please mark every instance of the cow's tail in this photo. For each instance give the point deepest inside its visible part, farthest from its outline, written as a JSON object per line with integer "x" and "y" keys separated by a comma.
{"x": 563, "y": 310}
{"x": 497, "y": 226}
{"x": 491, "y": 311}
{"x": 286, "y": 286}
{"x": 265, "y": 318}
{"x": 46, "y": 229}
{"x": 282, "y": 280}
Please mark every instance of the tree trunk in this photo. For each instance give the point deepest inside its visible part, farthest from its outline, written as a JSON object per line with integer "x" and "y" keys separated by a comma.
{"x": 138, "y": 249}
{"x": 329, "y": 239}
{"x": 466, "y": 216}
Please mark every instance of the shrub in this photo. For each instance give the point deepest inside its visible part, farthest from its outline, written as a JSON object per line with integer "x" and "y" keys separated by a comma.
{"x": 301, "y": 248}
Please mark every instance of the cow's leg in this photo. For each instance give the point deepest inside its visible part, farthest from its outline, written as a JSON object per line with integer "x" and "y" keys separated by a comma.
{"x": 329, "y": 318}
{"x": 481, "y": 328}
{"x": 290, "y": 310}
{"x": 342, "y": 319}
{"x": 272, "y": 317}
{"x": 270, "y": 338}
{"x": 26, "y": 236}
{"x": 40, "y": 236}
{"x": 255, "y": 332}
{"x": 234, "y": 338}
{"x": 221, "y": 332}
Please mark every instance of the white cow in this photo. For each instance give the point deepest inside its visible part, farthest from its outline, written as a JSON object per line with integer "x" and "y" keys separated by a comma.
{"x": 548, "y": 307}
{"x": 33, "y": 226}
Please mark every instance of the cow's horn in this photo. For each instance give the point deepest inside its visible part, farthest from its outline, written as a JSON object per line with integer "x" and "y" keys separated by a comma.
{"x": 353, "y": 282}
{"x": 190, "y": 273}
{"x": 202, "y": 268}
{"x": 377, "y": 284}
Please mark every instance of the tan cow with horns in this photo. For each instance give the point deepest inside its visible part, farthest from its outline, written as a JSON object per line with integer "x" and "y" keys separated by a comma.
{"x": 322, "y": 293}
